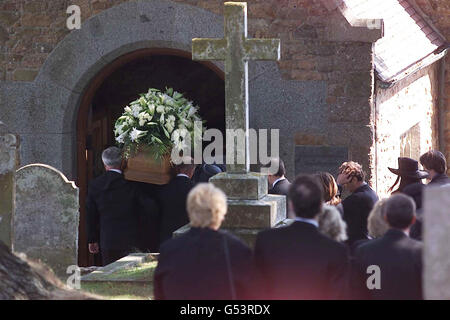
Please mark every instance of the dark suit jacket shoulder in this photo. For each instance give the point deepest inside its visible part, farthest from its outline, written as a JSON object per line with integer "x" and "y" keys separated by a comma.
{"x": 357, "y": 207}
{"x": 441, "y": 179}
{"x": 297, "y": 262}
{"x": 172, "y": 200}
{"x": 203, "y": 264}
{"x": 400, "y": 261}
{"x": 113, "y": 208}
{"x": 281, "y": 188}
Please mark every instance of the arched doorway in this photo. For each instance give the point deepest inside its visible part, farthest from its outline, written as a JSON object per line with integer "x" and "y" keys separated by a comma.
{"x": 120, "y": 83}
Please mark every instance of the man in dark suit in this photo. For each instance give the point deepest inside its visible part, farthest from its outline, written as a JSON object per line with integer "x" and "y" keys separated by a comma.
{"x": 297, "y": 262}
{"x": 113, "y": 208}
{"x": 205, "y": 263}
{"x": 278, "y": 184}
{"x": 435, "y": 164}
{"x": 397, "y": 257}
{"x": 172, "y": 199}
{"x": 358, "y": 205}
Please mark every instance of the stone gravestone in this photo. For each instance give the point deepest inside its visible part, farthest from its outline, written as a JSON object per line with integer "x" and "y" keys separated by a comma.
{"x": 312, "y": 159}
{"x": 8, "y": 161}
{"x": 250, "y": 208}
{"x": 46, "y": 217}
{"x": 436, "y": 255}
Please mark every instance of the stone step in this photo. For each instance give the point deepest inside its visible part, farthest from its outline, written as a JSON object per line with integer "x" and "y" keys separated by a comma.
{"x": 255, "y": 214}
{"x": 246, "y": 186}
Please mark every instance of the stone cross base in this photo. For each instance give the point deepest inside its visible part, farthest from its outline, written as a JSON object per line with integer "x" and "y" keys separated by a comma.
{"x": 250, "y": 208}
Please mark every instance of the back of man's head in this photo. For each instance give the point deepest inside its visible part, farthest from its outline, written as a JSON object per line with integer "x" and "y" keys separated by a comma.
{"x": 434, "y": 160}
{"x": 275, "y": 167}
{"x": 187, "y": 166}
{"x": 306, "y": 196}
{"x": 400, "y": 211}
{"x": 353, "y": 169}
{"x": 112, "y": 157}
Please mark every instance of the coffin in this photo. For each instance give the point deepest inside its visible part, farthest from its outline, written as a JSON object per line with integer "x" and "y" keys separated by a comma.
{"x": 143, "y": 167}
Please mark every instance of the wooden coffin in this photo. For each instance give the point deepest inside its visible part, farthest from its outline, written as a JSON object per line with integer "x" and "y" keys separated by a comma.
{"x": 143, "y": 167}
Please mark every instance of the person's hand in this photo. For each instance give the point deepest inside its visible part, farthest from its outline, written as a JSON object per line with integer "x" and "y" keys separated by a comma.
{"x": 93, "y": 248}
{"x": 343, "y": 179}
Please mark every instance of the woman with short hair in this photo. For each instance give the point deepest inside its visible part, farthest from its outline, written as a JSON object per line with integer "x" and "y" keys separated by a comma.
{"x": 205, "y": 263}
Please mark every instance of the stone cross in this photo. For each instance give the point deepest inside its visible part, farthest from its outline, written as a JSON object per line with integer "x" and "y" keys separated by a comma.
{"x": 236, "y": 49}
{"x": 8, "y": 162}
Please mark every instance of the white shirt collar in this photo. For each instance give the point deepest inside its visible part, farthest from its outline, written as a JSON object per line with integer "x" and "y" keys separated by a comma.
{"x": 278, "y": 180}
{"x": 310, "y": 221}
{"x": 183, "y": 175}
{"x": 116, "y": 170}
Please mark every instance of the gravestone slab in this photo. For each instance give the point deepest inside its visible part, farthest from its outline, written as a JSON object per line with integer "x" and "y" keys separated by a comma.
{"x": 46, "y": 216}
{"x": 312, "y": 159}
{"x": 110, "y": 271}
{"x": 8, "y": 160}
{"x": 436, "y": 235}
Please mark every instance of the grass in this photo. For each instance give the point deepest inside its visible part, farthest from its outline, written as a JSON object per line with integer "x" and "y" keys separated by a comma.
{"x": 143, "y": 272}
{"x": 125, "y": 284}
{"x": 120, "y": 290}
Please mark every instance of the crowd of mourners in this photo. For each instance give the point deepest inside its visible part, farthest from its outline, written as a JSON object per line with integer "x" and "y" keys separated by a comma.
{"x": 341, "y": 241}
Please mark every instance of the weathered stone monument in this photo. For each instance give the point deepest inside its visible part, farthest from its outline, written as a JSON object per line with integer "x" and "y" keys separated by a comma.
{"x": 436, "y": 256}
{"x": 46, "y": 216}
{"x": 250, "y": 208}
{"x": 8, "y": 162}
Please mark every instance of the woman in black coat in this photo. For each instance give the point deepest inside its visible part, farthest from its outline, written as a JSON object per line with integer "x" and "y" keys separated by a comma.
{"x": 204, "y": 263}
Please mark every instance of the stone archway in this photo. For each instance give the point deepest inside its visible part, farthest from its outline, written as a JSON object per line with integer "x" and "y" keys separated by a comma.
{"x": 86, "y": 154}
{"x": 62, "y": 85}
{"x": 132, "y": 26}
{"x": 82, "y": 60}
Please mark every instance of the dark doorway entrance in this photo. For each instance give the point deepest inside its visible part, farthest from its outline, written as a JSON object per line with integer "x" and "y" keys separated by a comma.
{"x": 119, "y": 84}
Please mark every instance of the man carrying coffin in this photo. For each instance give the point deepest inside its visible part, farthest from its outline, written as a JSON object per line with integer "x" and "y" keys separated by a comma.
{"x": 113, "y": 207}
{"x": 172, "y": 199}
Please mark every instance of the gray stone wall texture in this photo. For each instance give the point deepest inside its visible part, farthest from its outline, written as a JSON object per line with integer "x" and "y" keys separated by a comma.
{"x": 46, "y": 217}
{"x": 319, "y": 93}
{"x": 436, "y": 256}
{"x": 8, "y": 158}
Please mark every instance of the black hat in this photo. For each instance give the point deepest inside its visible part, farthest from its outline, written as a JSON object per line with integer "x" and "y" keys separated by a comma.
{"x": 409, "y": 168}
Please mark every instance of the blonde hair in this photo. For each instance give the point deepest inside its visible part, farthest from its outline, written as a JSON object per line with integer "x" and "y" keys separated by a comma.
{"x": 376, "y": 224}
{"x": 206, "y": 206}
{"x": 331, "y": 223}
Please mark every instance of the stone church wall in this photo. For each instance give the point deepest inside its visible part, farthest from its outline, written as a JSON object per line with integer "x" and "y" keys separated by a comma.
{"x": 340, "y": 71}
{"x": 406, "y": 122}
{"x": 438, "y": 13}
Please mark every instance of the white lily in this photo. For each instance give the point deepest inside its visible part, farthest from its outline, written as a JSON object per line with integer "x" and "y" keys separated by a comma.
{"x": 151, "y": 108}
{"x": 136, "y": 109}
{"x": 135, "y": 134}
{"x": 192, "y": 111}
{"x": 160, "y": 109}
{"x": 170, "y": 123}
{"x": 121, "y": 138}
{"x": 142, "y": 101}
